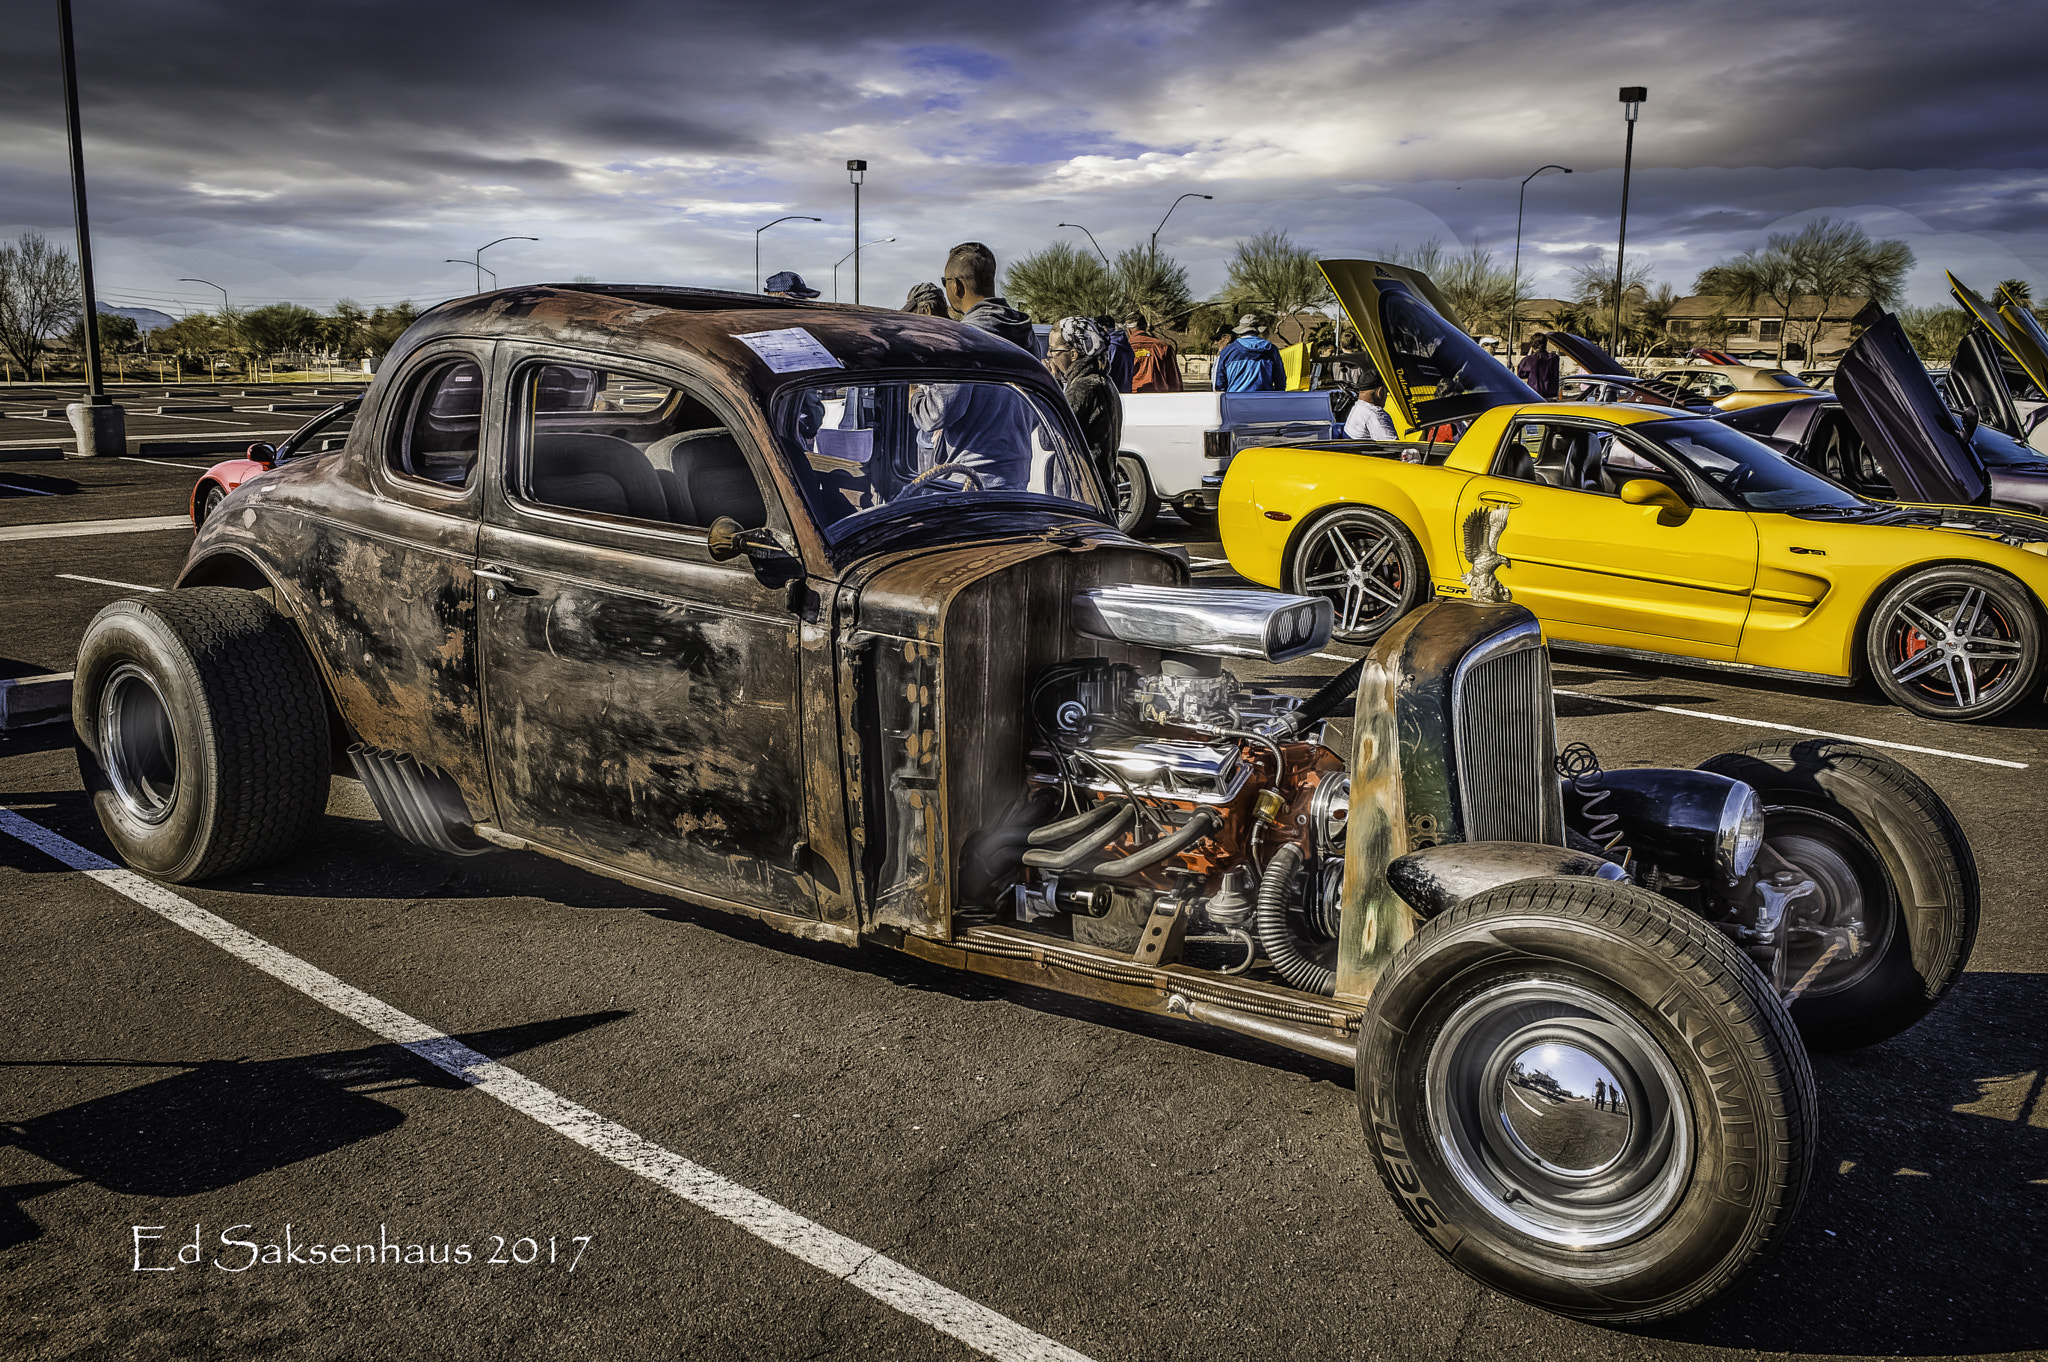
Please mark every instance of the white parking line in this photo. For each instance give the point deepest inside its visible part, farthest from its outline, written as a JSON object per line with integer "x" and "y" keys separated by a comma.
{"x": 1791, "y": 728}
{"x": 856, "y": 1264}
{"x": 105, "y": 581}
{"x": 164, "y": 463}
{"x": 67, "y": 529}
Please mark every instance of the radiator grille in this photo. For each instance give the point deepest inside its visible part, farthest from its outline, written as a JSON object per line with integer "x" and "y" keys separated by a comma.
{"x": 1506, "y": 741}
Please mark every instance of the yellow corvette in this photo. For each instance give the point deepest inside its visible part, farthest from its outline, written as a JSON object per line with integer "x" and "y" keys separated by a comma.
{"x": 1644, "y": 531}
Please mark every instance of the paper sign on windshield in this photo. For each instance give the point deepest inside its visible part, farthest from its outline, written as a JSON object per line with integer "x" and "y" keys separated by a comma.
{"x": 789, "y": 349}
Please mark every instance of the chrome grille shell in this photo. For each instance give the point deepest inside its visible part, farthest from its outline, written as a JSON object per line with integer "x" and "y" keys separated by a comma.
{"x": 1504, "y": 740}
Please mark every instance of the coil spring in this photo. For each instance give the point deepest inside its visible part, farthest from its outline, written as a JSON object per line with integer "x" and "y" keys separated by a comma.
{"x": 1580, "y": 765}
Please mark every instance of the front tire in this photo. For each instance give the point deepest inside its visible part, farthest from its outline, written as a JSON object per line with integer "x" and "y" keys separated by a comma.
{"x": 1885, "y": 855}
{"x": 202, "y": 732}
{"x": 1137, "y": 505}
{"x": 1486, "y": 1068}
{"x": 209, "y": 502}
{"x": 1366, "y": 564}
{"x": 1960, "y": 643}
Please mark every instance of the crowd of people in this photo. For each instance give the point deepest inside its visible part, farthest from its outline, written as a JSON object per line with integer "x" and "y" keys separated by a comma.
{"x": 1098, "y": 358}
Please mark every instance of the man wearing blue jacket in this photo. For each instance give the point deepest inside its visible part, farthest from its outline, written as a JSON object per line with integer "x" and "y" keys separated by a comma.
{"x": 1250, "y": 363}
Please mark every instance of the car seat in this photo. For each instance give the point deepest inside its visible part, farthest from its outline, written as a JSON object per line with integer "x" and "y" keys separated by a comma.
{"x": 713, "y": 478}
{"x": 597, "y": 473}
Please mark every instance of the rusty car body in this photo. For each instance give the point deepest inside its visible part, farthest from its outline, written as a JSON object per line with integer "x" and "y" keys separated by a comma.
{"x": 817, "y": 614}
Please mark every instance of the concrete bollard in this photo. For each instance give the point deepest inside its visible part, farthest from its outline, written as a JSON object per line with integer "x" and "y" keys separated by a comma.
{"x": 102, "y": 431}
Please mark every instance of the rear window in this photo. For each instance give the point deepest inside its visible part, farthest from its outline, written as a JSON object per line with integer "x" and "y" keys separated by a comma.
{"x": 1790, "y": 381}
{"x": 436, "y": 436}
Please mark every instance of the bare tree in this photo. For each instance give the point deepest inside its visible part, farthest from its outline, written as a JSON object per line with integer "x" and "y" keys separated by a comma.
{"x": 39, "y": 297}
{"x": 1060, "y": 281}
{"x": 1485, "y": 294}
{"x": 1829, "y": 259}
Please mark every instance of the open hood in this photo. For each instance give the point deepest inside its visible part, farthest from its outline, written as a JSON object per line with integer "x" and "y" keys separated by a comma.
{"x": 2012, "y": 326}
{"x": 1891, "y": 401}
{"x": 1585, "y": 354}
{"x": 1433, "y": 371}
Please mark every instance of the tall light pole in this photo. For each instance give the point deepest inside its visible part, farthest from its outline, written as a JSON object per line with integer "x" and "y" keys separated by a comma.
{"x": 97, "y": 422}
{"x": 1091, "y": 237}
{"x": 478, "y": 261}
{"x": 1515, "y": 321}
{"x": 458, "y": 260}
{"x": 1169, "y": 213}
{"x": 1633, "y": 97}
{"x": 856, "y": 171}
{"x": 223, "y": 292}
{"x": 849, "y": 256}
{"x": 792, "y": 217}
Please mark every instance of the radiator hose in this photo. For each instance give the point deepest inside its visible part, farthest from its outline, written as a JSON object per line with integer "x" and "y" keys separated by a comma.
{"x": 1095, "y": 834}
{"x": 1338, "y": 693}
{"x": 1276, "y": 938}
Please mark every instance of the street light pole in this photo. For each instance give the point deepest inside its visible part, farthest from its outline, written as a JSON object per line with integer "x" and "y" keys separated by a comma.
{"x": 95, "y": 384}
{"x": 1091, "y": 237}
{"x": 856, "y": 267}
{"x": 458, "y": 260}
{"x": 1515, "y": 321}
{"x": 1169, "y": 213}
{"x": 792, "y": 217}
{"x": 856, "y": 171}
{"x": 1632, "y": 96}
{"x": 479, "y": 259}
{"x": 223, "y": 292}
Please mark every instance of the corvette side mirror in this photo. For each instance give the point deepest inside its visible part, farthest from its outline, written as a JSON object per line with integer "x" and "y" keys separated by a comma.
{"x": 264, "y": 454}
{"x": 1969, "y": 422}
{"x": 1671, "y": 507}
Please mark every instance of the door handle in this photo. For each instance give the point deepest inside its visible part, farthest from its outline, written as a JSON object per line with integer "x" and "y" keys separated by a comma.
{"x": 1498, "y": 499}
{"x": 510, "y": 583}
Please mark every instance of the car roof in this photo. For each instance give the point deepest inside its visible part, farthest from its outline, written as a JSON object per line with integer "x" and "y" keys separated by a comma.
{"x": 1620, "y": 413}
{"x": 652, "y": 321}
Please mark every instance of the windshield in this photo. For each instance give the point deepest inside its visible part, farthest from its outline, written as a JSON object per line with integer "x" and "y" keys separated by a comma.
{"x": 1748, "y": 472}
{"x": 858, "y": 449}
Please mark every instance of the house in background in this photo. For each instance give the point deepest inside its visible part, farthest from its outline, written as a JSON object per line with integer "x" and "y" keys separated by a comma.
{"x": 1816, "y": 329}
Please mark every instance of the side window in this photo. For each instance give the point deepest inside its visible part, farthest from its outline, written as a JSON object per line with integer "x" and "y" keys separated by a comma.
{"x": 436, "y": 436}
{"x": 1554, "y": 454}
{"x": 607, "y": 443}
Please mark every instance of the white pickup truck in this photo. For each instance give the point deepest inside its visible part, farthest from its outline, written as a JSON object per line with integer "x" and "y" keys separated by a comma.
{"x": 1176, "y": 445}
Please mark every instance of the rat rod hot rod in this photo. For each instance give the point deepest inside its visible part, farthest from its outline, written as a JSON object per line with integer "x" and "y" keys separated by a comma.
{"x": 819, "y": 614}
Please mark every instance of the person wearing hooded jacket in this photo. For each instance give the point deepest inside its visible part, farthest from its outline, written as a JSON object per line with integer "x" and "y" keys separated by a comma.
{"x": 1250, "y": 363}
{"x": 1075, "y": 353}
{"x": 970, "y": 284}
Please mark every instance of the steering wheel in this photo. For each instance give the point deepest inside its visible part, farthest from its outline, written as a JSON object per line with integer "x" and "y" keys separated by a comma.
{"x": 954, "y": 469}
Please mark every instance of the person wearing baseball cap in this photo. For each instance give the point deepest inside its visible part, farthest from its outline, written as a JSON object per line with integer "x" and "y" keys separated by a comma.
{"x": 788, "y": 284}
{"x": 1250, "y": 363}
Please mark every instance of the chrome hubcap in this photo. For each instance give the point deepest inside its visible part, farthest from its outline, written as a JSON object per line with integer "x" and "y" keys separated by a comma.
{"x": 1356, "y": 568}
{"x": 1563, "y": 1109}
{"x": 1558, "y": 1114}
{"x": 1954, "y": 645}
{"x": 138, "y": 749}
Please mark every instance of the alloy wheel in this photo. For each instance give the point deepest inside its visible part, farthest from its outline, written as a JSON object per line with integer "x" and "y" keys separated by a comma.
{"x": 1356, "y": 565}
{"x": 1953, "y": 644}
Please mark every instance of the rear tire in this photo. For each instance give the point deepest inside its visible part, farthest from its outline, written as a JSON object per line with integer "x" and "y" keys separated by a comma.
{"x": 202, "y": 732}
{"x": 1833, "y": 807}
{"x": 1197, "y": 517}
{"x": 1137, "y": 505}
{"x": 1366, "y": 564}
{"x": 1480, "y": 1069}
{"x": 1959, "y": 643}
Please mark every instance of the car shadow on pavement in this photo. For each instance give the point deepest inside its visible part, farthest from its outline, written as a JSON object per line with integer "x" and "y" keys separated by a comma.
{"x": 1925, "y": 1228}
{"x": 211, "y": 1124}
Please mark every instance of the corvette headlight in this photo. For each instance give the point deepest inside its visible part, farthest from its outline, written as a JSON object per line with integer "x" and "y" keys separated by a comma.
{"x": 1741, "y": 833}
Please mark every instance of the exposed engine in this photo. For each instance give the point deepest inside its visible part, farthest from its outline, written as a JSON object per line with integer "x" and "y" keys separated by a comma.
{"x": 1177, "y": 815}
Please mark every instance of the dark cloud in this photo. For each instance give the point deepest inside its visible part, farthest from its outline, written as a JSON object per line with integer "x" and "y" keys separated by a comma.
{"x": 353, "y": 145}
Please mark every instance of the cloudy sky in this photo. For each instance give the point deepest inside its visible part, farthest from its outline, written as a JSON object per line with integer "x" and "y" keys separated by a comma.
{"x": 348, "y": 148}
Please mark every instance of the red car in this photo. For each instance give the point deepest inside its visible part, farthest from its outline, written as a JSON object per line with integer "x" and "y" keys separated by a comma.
{"x": 327, "y": 431}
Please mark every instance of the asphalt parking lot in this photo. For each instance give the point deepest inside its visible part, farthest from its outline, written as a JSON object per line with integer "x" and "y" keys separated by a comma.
{"x": 1047, "y": 1174}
